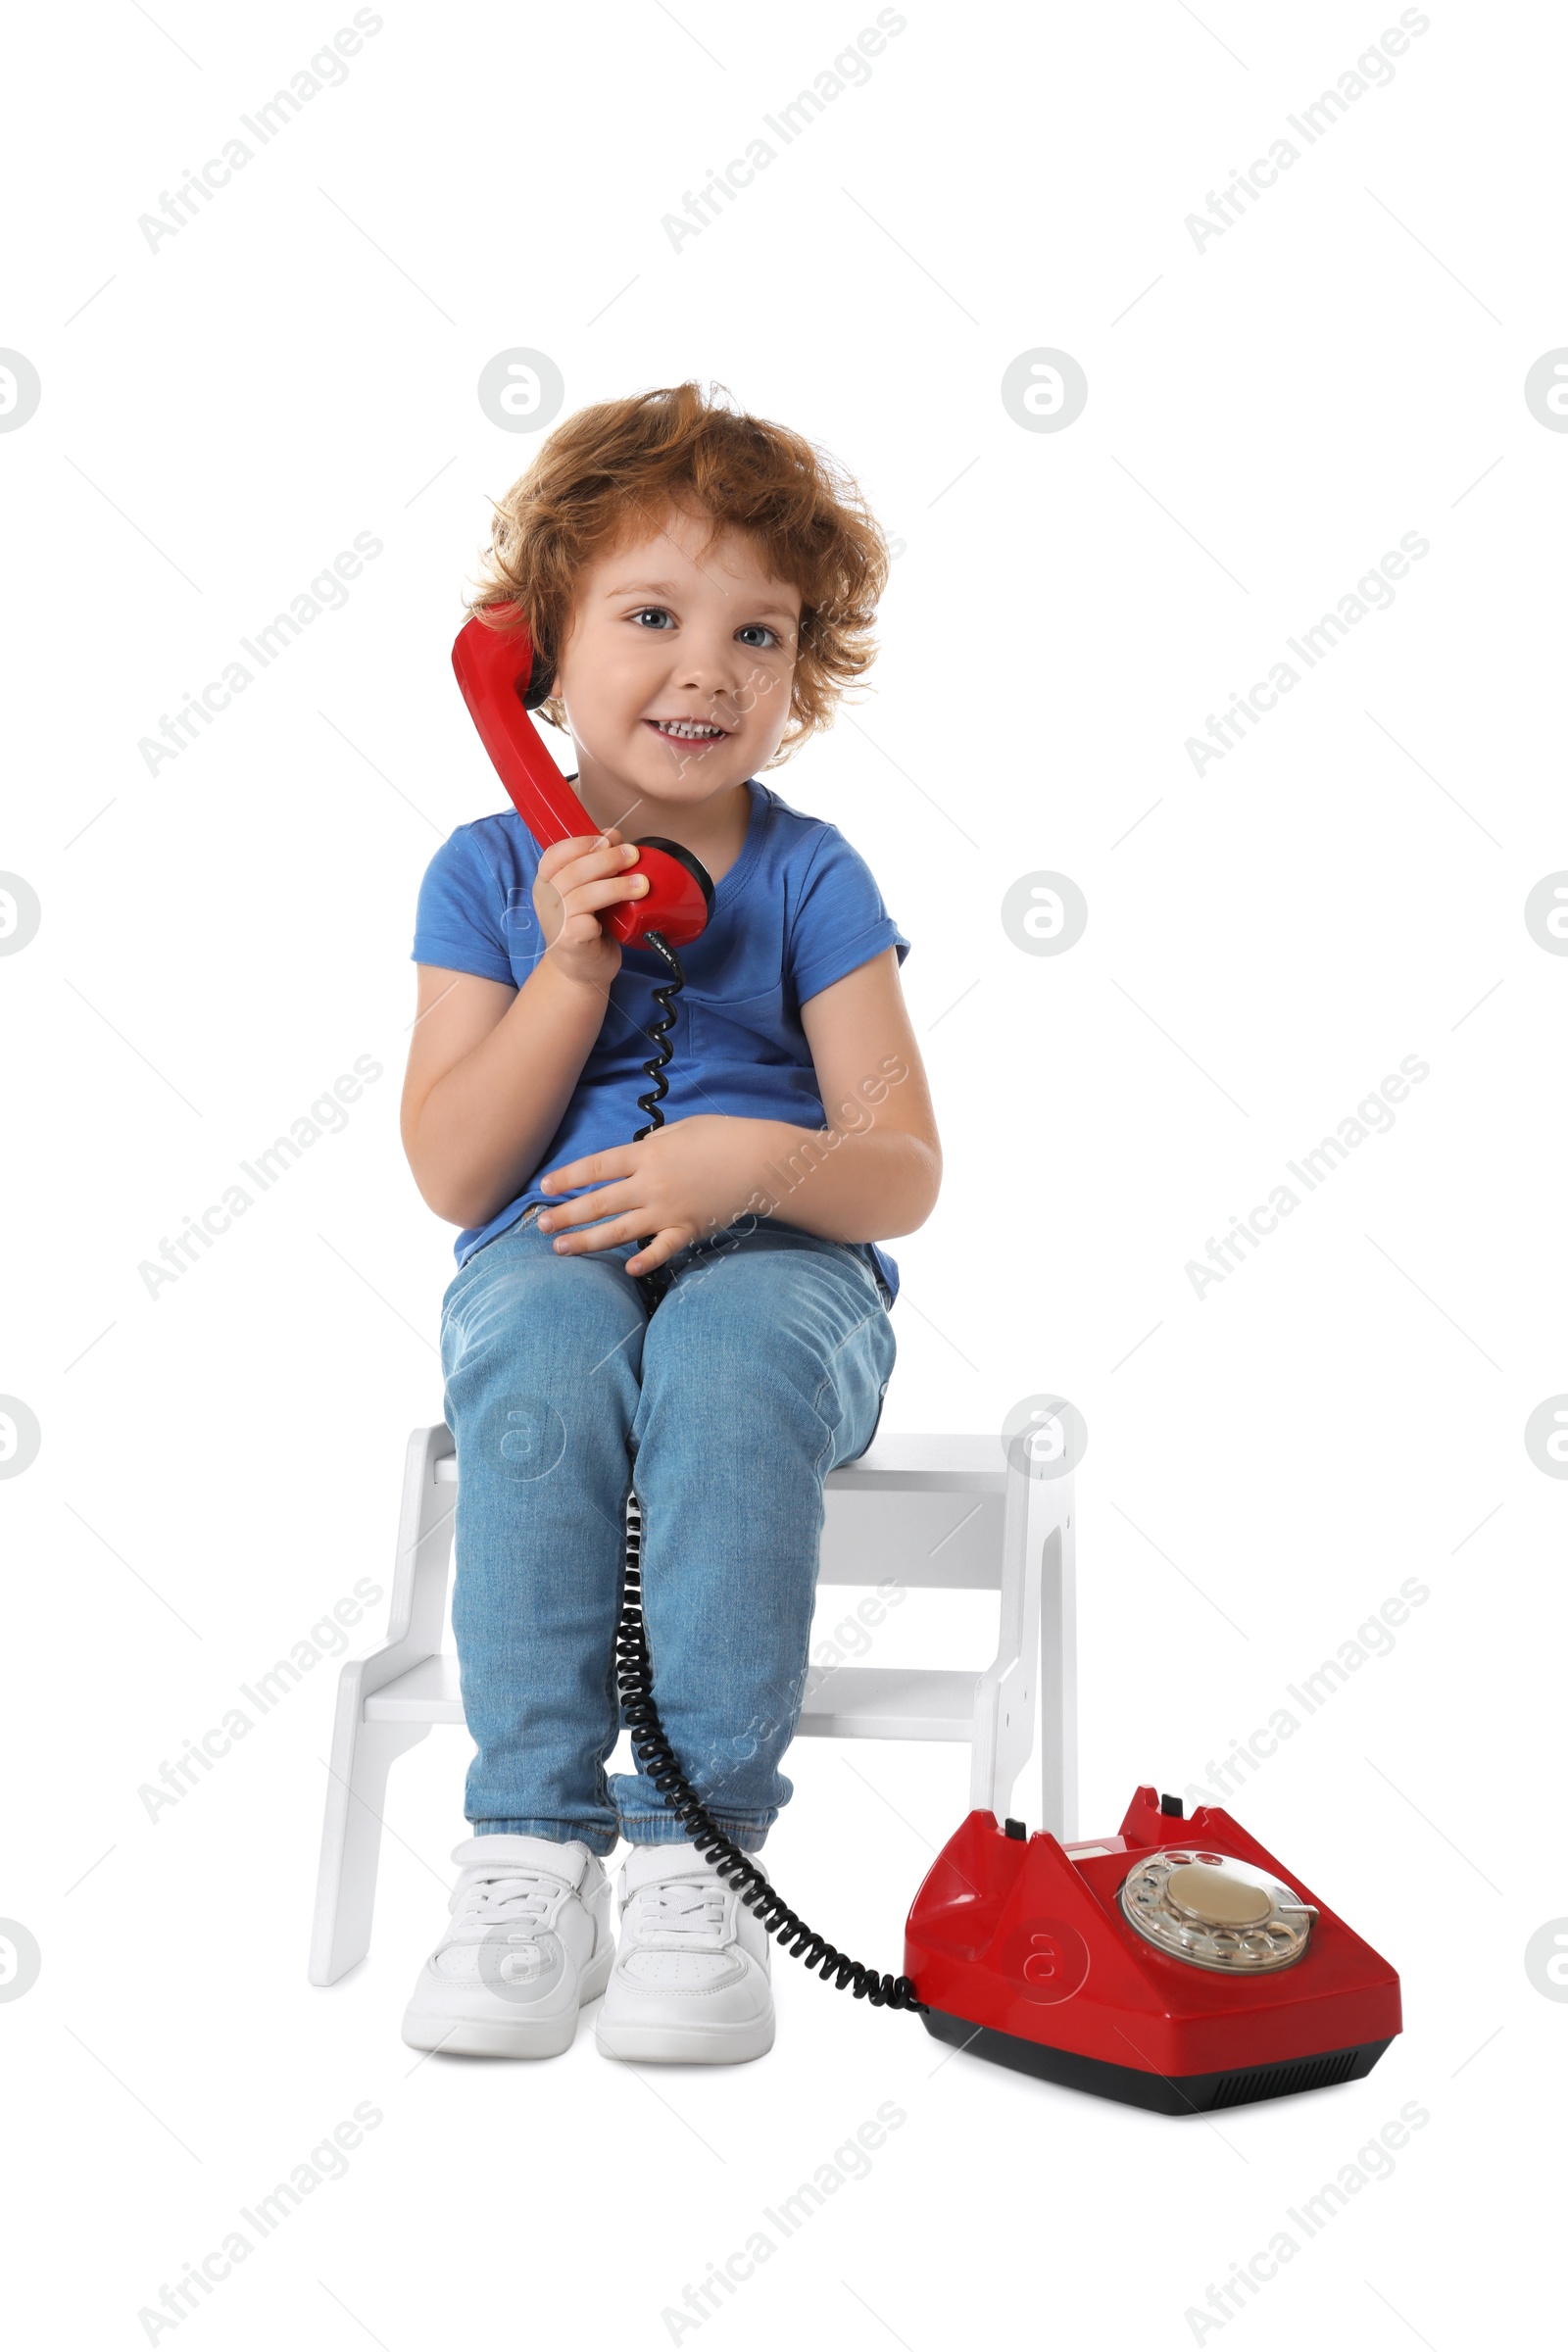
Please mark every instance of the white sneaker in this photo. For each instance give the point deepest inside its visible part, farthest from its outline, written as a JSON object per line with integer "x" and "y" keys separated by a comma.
{"x": 530, "y": 1941}
{"x": 690, "y": 1984}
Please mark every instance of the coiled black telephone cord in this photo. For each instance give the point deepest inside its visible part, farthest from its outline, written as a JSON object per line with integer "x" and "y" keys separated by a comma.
{"x": 634, "y": 1667}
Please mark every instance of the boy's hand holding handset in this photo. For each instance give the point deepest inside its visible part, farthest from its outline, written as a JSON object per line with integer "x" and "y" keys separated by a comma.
{"x": 576, "y": 878}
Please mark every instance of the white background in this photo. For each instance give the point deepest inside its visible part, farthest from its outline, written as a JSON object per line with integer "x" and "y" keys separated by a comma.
{"x": 1266, "y": 1463}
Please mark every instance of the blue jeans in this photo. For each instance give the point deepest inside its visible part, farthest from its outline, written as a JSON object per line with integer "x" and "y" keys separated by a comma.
{"x": 761, "y": 1369}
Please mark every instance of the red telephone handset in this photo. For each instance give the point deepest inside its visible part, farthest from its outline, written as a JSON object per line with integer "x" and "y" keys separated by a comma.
{"x": 495, "y": 670}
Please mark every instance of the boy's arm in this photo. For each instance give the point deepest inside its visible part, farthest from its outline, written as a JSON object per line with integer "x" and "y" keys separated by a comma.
{"x": 490, "y": 1073}
{"x": 872, "y": 1173}
{"x": 875, "y": 1170}
{"x": 491, "y": 1068}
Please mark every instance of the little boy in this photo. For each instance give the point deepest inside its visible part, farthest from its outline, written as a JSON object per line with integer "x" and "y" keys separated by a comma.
{"x": 702, "y": 1314}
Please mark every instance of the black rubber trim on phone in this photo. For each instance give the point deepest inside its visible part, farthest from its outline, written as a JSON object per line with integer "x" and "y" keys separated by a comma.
{"x": 541, "y": 675}
{"x": 694, "y": 866}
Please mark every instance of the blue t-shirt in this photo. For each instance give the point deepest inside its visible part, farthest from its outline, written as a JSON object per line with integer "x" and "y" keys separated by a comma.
{"x": 797, "y": 910}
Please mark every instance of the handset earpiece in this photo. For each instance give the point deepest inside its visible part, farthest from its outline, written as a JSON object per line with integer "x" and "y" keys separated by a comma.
{"x": 541, "y": 677}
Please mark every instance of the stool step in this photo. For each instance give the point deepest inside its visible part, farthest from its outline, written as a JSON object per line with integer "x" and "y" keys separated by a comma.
{"x": 891, "y": 1702}
{"x": 905, "y": 1463}
{"x": 855, "y": 1702}
{"x": 427, "y": 1693}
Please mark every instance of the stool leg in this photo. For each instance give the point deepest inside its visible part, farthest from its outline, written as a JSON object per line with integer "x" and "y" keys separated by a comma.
{"x": 351, "y": 1841}
{"x": 1058, "y": 1675}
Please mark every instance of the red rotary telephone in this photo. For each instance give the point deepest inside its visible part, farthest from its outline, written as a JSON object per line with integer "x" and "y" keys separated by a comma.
{"x": 501, "y": 684}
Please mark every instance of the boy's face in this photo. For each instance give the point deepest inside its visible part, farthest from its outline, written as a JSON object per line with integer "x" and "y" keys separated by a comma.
{"x": 677, "y": 670}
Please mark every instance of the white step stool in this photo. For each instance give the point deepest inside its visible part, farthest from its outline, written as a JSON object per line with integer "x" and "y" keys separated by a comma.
{"x": 944, "y": 1512}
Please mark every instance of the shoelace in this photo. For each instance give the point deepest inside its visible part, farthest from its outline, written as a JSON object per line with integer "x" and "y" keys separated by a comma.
{"x": 520, "y": 1898}
{"x": 682, "y": 1911}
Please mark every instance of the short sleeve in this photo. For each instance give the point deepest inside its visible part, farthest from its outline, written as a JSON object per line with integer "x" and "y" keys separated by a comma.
{"x": 458, "y": 921}
{"x": 840, "y": 921}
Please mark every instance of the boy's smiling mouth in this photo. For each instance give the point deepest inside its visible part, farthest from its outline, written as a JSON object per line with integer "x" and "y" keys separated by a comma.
{"x": 687, "y": 730}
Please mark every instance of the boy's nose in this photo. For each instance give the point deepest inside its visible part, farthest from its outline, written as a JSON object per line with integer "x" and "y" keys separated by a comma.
{"x": 706, "y": 661}
{"x": 715, "y": 681}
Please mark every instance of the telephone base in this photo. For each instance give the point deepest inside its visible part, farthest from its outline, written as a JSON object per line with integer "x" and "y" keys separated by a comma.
{"x": 1182, "y": 2094}
{"x": 1174, "y": 1965}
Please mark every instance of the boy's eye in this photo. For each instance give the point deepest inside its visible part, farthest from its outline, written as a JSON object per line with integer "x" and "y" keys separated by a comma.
{"x": 755, "y": 633}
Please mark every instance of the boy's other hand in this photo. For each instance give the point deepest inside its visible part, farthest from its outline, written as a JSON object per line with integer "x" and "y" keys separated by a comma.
{"x": 679, "y": 1183}
{"x": 575, "y": 879}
